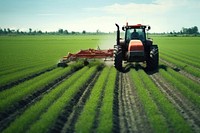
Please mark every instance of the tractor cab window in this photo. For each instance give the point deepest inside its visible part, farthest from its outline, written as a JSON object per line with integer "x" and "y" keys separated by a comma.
{"x": 135, "y": 34}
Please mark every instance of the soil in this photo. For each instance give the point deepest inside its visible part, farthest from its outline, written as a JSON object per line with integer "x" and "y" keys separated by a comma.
{"x": 11, "y": 113}
{"x": 67, "y": 119}
{"x": 132, "y": 117}
{"x": 128, "y": 112}
{"x": 186, "y": 74}
{"x": 14, "y": 83}
{"x": 187, "y": 109}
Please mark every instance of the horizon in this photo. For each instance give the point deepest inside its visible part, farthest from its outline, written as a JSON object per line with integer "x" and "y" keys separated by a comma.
{"x": 51, "y": 15}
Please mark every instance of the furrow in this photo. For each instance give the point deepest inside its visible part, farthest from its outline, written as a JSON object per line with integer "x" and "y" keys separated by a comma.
{"x": 188, "y": 75}
{"x": 66, "y": 121}
{"x": 19, "y": 81}
{"x": 8, "y": 116}
{"x": 186, "y": 109}
{"x": 132, "y": 115}
{"x": 122, "y": 114}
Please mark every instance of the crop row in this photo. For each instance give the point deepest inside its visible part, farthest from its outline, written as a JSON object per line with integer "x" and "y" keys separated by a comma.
{"x": 98, "y": 108}
{"x": 26, "y": 64}
{"x": 182, "y": 59}
{"x": 187, "y": 87}
{"x": 49, "y": 117}
{"x": 52, "y": 103}
{"x": 19, "y": 73}
{"x": 194, "y": 61}
{"x": 161, "y": 113}
{"x": 13, "y": 95}
{"x": 192, "y": 70}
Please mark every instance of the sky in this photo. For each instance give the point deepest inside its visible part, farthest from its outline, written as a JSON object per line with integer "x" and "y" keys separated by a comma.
{"x": 93, "y": 15}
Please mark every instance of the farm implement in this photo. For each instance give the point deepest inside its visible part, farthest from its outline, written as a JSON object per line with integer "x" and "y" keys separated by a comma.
{"x": 86, "y": 54}
{"x": 135, "y": 47}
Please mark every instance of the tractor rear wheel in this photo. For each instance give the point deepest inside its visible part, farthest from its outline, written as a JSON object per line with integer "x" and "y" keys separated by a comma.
{"x": 153, "y": 60}
{"x": 118, "y": 57}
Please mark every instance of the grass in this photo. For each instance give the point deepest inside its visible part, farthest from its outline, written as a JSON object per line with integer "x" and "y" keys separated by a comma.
{"x": 190, "y": 69}
{"x": 22, "y": 122}
{"x": 156, "y": 119}
{"x": 48, "y": 118}
{"x": 181, "y": 57}
{"x": 174, "y": 119}
{"x": 17, "y": 93}
{"x": 182, "y": 47}
{"x": 187, "y": 92}
{"x": 87, "y": 116}
{"x": 21, "y": 56}
{"x": 192, "y": 85}
{"x": 106, "y": 112}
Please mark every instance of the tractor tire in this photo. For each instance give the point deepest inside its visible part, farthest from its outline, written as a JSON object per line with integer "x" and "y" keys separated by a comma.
{"x": 153, "y": 59}
{"x": 118, "y": 57}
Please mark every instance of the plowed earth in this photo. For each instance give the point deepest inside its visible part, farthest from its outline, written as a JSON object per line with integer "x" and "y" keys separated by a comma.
{"x": 129, "y": 114}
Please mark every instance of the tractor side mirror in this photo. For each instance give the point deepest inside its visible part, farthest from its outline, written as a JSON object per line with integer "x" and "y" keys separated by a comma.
{"x": 123, "y": 28}
{"x": 148, "y": 28}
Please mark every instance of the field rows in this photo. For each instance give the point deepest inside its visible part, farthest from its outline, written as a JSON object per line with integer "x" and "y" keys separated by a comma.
{"x": 103, "y": 100}
{"x": 97, "y": 98}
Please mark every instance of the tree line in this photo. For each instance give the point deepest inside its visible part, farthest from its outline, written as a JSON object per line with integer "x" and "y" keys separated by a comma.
{"x": 187, "y": 31}
{"x": 8, "y": 31}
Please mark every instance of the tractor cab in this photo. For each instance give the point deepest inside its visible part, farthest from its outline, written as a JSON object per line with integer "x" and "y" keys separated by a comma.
{"x": 135, "y": 32}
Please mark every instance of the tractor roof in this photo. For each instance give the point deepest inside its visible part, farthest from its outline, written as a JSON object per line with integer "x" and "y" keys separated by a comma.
{"x": 137, "y": 26}
{"x": 140, "y": 26}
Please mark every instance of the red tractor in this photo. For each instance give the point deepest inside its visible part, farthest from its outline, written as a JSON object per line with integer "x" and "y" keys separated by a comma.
{"x": 135, "y": 47}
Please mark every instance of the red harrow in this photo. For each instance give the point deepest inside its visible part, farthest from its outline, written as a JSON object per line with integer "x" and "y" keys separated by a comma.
{"x": 86, "y": 54}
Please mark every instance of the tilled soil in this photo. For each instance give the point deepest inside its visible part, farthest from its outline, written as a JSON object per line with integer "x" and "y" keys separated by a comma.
{"x": 67, "y": 119}
{"x": 187, "y": 109}
{"x": 128, "y": 112}
{"x": 10, "y": 114}
{"x": 132, "y": 117}
{"x": 19, "y": 81}
{"x": 188, "y": 75}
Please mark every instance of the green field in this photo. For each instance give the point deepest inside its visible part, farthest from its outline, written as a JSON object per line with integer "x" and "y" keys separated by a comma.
{"x": 36, "y": 96}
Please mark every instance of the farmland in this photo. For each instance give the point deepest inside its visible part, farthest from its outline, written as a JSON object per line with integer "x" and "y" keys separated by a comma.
{"x": 36, "y": 96}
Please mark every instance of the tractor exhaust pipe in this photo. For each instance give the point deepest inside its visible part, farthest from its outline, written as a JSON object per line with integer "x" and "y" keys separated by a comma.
{"x": 118, "y": 33}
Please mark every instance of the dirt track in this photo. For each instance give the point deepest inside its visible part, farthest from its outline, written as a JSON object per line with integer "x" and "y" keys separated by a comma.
{"x": 132, "y": 117}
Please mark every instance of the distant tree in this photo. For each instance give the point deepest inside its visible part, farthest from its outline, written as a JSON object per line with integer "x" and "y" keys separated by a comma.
{"x": 97, "y": 31}
{"x": 66, "y": 32}
{"x": 39, "y": 32}
{"x": 195, "y": 30}
{"x": 9, "y": 31}
{"x": 192, "y": 30}
{"x": 1, "y": 31}
{"x": 30, "y": 30}
{"x": 17, "y": 31}
{"x": 84, "y": 32}
{"x": 73, "y": 32}
{"x": 60, "y": 31}
{"x": 5, "y": 31}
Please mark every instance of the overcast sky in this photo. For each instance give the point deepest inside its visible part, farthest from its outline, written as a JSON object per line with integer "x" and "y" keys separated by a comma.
{"x": 90, "y": 15}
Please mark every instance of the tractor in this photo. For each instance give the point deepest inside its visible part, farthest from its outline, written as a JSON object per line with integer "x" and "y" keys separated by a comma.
{"x": 135, "y": 47}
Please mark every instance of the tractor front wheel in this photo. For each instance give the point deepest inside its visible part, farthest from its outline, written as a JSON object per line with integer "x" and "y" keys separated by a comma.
{"x": 118, "y": 57}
